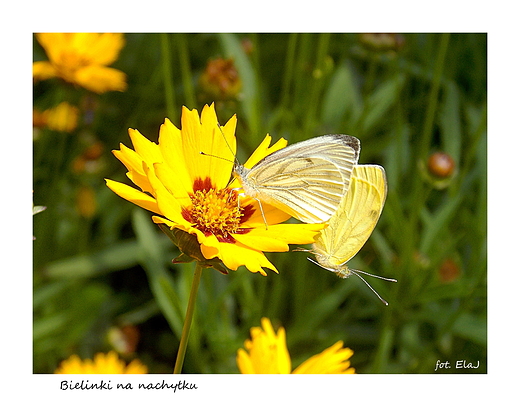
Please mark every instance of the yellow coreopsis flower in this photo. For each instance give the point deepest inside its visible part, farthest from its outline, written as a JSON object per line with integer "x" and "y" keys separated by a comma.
{"x": 82, "y": 59}
{"x": 266, "y": 353}
{"x": 192, "y": 192}
{"x": 108, "y": 363}
{"x": 63, "y": 117}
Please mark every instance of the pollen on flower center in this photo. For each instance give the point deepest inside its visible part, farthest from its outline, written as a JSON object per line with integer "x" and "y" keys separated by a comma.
{"x": 216, "y": 212}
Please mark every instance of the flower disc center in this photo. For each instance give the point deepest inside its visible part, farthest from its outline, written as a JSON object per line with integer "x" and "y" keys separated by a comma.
{"x": 216, "y": 211}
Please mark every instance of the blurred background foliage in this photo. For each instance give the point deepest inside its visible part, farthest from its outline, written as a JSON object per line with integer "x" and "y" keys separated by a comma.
{"x": 103, "y": 277}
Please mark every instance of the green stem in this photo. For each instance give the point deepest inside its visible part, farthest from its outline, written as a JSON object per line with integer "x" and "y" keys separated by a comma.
{"x": 288, "y": 71}
{"x": 187, "y": 321}
{"x": 184, "y": 60}
{"x": 168, "y": 75}
{"x": 433, "y": 97}
{"x": 419, "y": 193}
{"x": 317, "y": 83}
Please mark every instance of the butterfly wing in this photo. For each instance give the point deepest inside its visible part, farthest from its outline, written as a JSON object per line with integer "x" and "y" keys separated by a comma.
{"x": 353, "y": 223}
{"x": 306, "y": 179}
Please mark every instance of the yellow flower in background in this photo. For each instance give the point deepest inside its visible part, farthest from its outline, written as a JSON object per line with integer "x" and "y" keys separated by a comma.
{"x": 82, "y": 59}
{"x": 266, "y": 353}
{"x": 108, "y": 363}
{"x": 191, "y": 191}
{"x": 63, "y": 117}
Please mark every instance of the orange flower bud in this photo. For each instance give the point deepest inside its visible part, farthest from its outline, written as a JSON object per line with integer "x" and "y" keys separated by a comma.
{"x": 449, "y": 271}
{"x": 220, "y": 80}
{"x": 441, "y": 165}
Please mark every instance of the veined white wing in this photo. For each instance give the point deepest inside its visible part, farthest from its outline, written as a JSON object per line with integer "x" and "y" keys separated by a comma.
{"x": 306, "y": 179}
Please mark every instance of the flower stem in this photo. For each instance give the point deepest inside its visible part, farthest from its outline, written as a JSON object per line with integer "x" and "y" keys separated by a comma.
{"x": 187, "y": 321}
{"x": 168, "y": 75}
{"x": 186, "y": 75}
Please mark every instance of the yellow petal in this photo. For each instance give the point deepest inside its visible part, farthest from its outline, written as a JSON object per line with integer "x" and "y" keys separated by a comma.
{"x": 131, "y": 160}
{"x": 234, "y": 255}
{"x": 263, "y": 150}
{"x": 272, "y": 214}
{"x": 173, "y": 182}
{"x": 170, "y": 145}
{"x": 104, "y": 49}
{"x": 54, "y": 44}
{"x": 168, "y": 205}
{"x": 266, "y": 352}
{"x": 263, "y": 242}
{"x": 146, "y": 149}
{"x": 133, "y": 195}
{"x": 277, "y": 237}
{"x": 244, "y": 363}
{"x": 185, "y": 226}
{"x": 101, "y": 79}
{"x": 134, "y": 163}
{"x": 207, "y": 137}
{"x": 43, "y": 70}
{"x": 333, "y": 360}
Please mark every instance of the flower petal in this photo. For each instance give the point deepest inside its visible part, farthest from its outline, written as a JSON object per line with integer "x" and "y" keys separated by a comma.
{"x": 168, "y": 205}
{"x": 104, "y": 48}
{"x": 133, "y": 195}
{"x": 234, "y": 255}
{"x": 263, "y": 150}
{"x": 333, "y": 360}
{"x": 204, "y": 135}
{"x": 277, "y": 237}
{"x": 100, "y": 79}
{"x": 266, "y": 352}
{"x": 134, "y": 163}
{"x": 43, "y": 70}
{"x": 170, "y": 145}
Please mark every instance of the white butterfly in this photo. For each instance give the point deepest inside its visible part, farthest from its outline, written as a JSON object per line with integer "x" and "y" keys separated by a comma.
{"x": 307, "y": 179}
{"x": 353, "y": 223}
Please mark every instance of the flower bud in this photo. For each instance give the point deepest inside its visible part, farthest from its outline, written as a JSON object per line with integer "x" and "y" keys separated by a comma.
{"x": 123, "y": 339}
{"x": 220, "y": 80}
{"x": 448, "y": 271}
{"x": 382, "y": 42}
{"x": 441, "y": 165}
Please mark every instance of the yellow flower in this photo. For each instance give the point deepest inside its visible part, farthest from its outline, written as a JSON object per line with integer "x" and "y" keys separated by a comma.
{"x": 266, "y": 353}
{"x": 63, "y": 117}
{"x": 108, "y": 363}
{"x": 82, "y": 59}
{"x": 192, "y": 193}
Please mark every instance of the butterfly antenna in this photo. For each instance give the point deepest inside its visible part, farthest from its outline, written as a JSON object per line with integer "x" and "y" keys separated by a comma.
{"x": 235, "y": 161}
{"x": 262, "y": 212}
{"x": 315, "y": 262}
{"x": 215, "y": 156}
{"x": 356, "y": 272}
{"x": 393, "y": 280}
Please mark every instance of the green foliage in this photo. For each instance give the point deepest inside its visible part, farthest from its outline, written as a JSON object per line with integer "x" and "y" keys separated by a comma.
{"x": 112, "y": 266}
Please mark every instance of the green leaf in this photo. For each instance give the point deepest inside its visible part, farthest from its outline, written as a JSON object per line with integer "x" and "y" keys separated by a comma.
{"x": 341, "y": 96}
{"x": 152, "y": 258}
{"x": 379, "y": 102}
{"x": 450, "y": 122}
{"x": 472, "y": 327}
{"x": 121, "y": 256}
